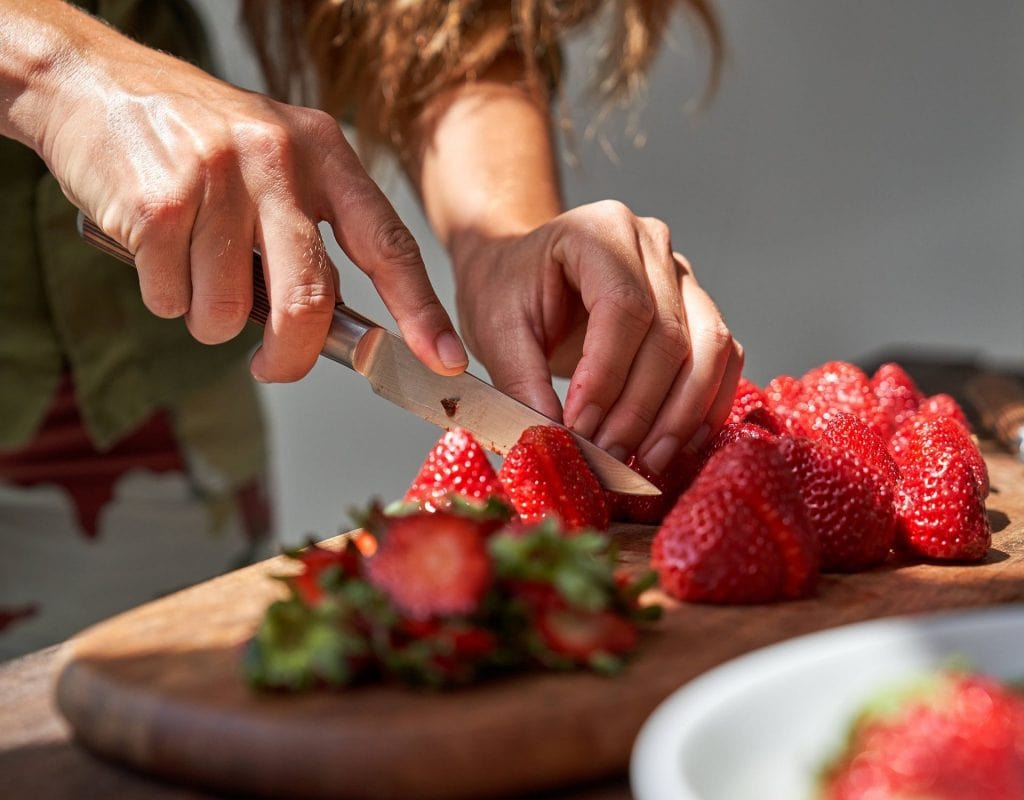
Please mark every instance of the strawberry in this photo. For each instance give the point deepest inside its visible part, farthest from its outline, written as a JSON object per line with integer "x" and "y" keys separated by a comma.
{"x": 432, "y": 564}
{"x": 648, "y": 510}
{"x": 456, "y": 465}
{"x": 940, "y": 501}
{"x": 848, "y": 504}
{"x": 957, "y": 737}
{"x": 316, "y": 561}
{"x": 787, "y": 399}
{"x": 737, "y": 535}
{"x": 733, "y": 432}
{"x": 751, "y": 404}
{"x": 581, "y": 636}
{"x": 897, "y": 393}
{"x": 848, "y": 432}
{"x": 438, "y": 653}
{"x": 943, "y": 405}
{"x": 944, "y": 433}
{"x": 545, "y": 473}
{"x": 838, "y": 386}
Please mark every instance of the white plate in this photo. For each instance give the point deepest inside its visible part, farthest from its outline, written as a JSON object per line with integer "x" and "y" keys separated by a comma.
{"x": 762, "y": 725}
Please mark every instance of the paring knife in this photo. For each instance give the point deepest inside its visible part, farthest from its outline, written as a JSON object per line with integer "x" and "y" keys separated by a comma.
{"x": 495, "y": 419}
{"x": 999, "y": 400}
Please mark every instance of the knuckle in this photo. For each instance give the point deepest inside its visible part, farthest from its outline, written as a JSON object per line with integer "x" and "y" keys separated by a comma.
{"x": 613, "y": 209}
{"x": 715, "y": 337}
{"x": 637, "y": 417}
{"x": 225, "y": 308}
{"x": 271, "y": 142}
{"x": 659, "y": 233}
{"x": 673, "y": 339}
{"x": 632, "y": 303}
{"x": 396, "y": 245}
{"x": 156, "y": 211}
{"x": 308, "y": 301}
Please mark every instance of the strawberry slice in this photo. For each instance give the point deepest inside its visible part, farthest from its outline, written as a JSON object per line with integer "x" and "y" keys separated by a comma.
{"x": 849, "y": 505}
{"x": 737, "y": 535}
{"x": 581, "y": 635}
{"x": 545, "y": 474}
{"x": 457, "y": 465}
{"x": 432, "y": 564}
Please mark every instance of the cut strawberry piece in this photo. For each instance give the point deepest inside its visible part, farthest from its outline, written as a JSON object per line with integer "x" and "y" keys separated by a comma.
{"x": 651, "y": 510}
{"x": 544, "y": 473}
{"x": 940, "y": 501}
{"x": 457, "y": 465}
{"x": 848, "y": 432}
{"x": 897, "y": 393}
{"x": 838, "y": 386}
{"x": 582, "y": 635}
{"x": 432, "y": 564}
{"x": 737, "y": 535}
{"x": 849, "y": 505}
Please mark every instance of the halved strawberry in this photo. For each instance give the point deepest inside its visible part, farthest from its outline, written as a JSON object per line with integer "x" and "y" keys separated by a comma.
{"x": 647, "y": 509}
{"x": 457, "y": 465}
{"x": 432, "y": 564}
{"x": 738, "y": 535}
{"x": 582, "y": 635}
{"x": 848, "y": 504}
{"x": 897, "y": 393}
{"x": 544, "y": 473}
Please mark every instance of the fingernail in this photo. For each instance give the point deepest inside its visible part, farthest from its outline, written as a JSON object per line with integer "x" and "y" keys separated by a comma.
{"x": 618, "y": 452}
{"x": 450, "y": 350}
{"x": 256, "y": 375}
{"x": 698, "y": 438}
{"x": 662, "y": 453}
{"x": 587, "y": 420}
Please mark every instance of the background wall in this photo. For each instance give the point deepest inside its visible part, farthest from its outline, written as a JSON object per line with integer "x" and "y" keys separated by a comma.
{"x": 857, "y": 184}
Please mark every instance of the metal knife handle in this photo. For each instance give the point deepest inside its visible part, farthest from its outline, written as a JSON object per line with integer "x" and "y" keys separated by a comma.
{"x": 347, "y": 327}
{"x": 999, "y": 400}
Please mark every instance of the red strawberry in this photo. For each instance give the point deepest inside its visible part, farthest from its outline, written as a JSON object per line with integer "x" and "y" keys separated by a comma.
{"x": 733, "y": 432}
{"x": 848, "y": 432}
{"x": 943, "y": 432}
{"x": 456, "y": 465}
{"x": 316, "y": 561}
{"x": 648, "y": 510}
{"x": 438, "y": 652}
{"x": 897, "y": 393}
{"x": 838, "y": 386}
{"x": 545, "y": 473}
{"x": 943, "y": 405}
{"x": 581, "y": 635}
{"x": 432, "y": 564}
{"x": 737, "y": 535}
{"x": 958, "y": 740}
{"x": 940, "y": 504}
{"x": 787, "y": 399}
{"x": 848, "y": 504}
{"x": 751, "y": 404}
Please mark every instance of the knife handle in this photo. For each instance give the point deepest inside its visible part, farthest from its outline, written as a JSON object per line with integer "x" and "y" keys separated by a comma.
{"x": 999, "y": 400}
{"x": 347, "y": 326}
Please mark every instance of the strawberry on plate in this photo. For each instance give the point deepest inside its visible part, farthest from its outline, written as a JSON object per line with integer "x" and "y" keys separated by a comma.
{"x": 848, "y": 504}
{"x": 738, "y": 535}
{"x": 457, "y": 465}
{"x": 545, "y": 474}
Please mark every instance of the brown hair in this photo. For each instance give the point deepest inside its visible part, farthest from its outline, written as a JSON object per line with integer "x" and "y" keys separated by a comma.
{"x": 376, "y": 62}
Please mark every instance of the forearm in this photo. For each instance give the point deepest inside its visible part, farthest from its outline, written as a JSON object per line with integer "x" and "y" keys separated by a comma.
{"x": 484, "y": 162}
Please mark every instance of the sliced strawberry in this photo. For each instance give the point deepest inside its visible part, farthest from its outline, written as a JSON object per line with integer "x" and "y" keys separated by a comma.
{"x": 737, "y": 535}
{"x": 651, "y": 510}
{"x": 582, "y": 635}
{"x": 940, "y": 501}
{"x": 848, "y": 432}
{"x": 897, "y": 393}
{"x": 457, "y": 465}
{"x": 432, "y": 564}
{"x": 544, "y": 473}
{"x": 848, "y": 504}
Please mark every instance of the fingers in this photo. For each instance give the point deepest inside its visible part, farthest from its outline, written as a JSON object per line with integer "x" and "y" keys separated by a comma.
{"x": 372, "y": 235}
{"x": 701, "y": 396}
{"x": 159, "y": 237}
{"x": 301, "y": 286}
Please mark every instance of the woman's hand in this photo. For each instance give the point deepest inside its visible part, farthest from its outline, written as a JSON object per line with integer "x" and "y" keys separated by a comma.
{"x": 190, "y": 173}
{"x": 598, "y": 295}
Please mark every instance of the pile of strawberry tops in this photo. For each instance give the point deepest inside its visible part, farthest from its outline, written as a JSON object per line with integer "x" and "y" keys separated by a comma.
{"x": 478, "y": 570}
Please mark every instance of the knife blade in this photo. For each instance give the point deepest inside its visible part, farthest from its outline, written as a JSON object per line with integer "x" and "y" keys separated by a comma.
{"x": 394, "y": 373}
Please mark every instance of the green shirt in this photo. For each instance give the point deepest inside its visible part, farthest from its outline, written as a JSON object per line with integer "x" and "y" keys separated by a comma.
{"x": 65, "y": 305}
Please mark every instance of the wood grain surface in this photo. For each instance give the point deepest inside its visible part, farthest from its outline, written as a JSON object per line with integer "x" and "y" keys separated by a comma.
{"x": 159, "y": 687}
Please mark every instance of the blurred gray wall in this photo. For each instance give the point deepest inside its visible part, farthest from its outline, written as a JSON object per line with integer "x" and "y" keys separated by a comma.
{"x": 857, "y": 184}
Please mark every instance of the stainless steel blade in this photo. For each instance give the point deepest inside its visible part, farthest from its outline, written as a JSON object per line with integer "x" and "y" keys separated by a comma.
{"x": 495, "y": 419}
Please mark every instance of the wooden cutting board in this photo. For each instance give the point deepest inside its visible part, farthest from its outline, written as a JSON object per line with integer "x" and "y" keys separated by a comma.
{"x": 159, "y": 687}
